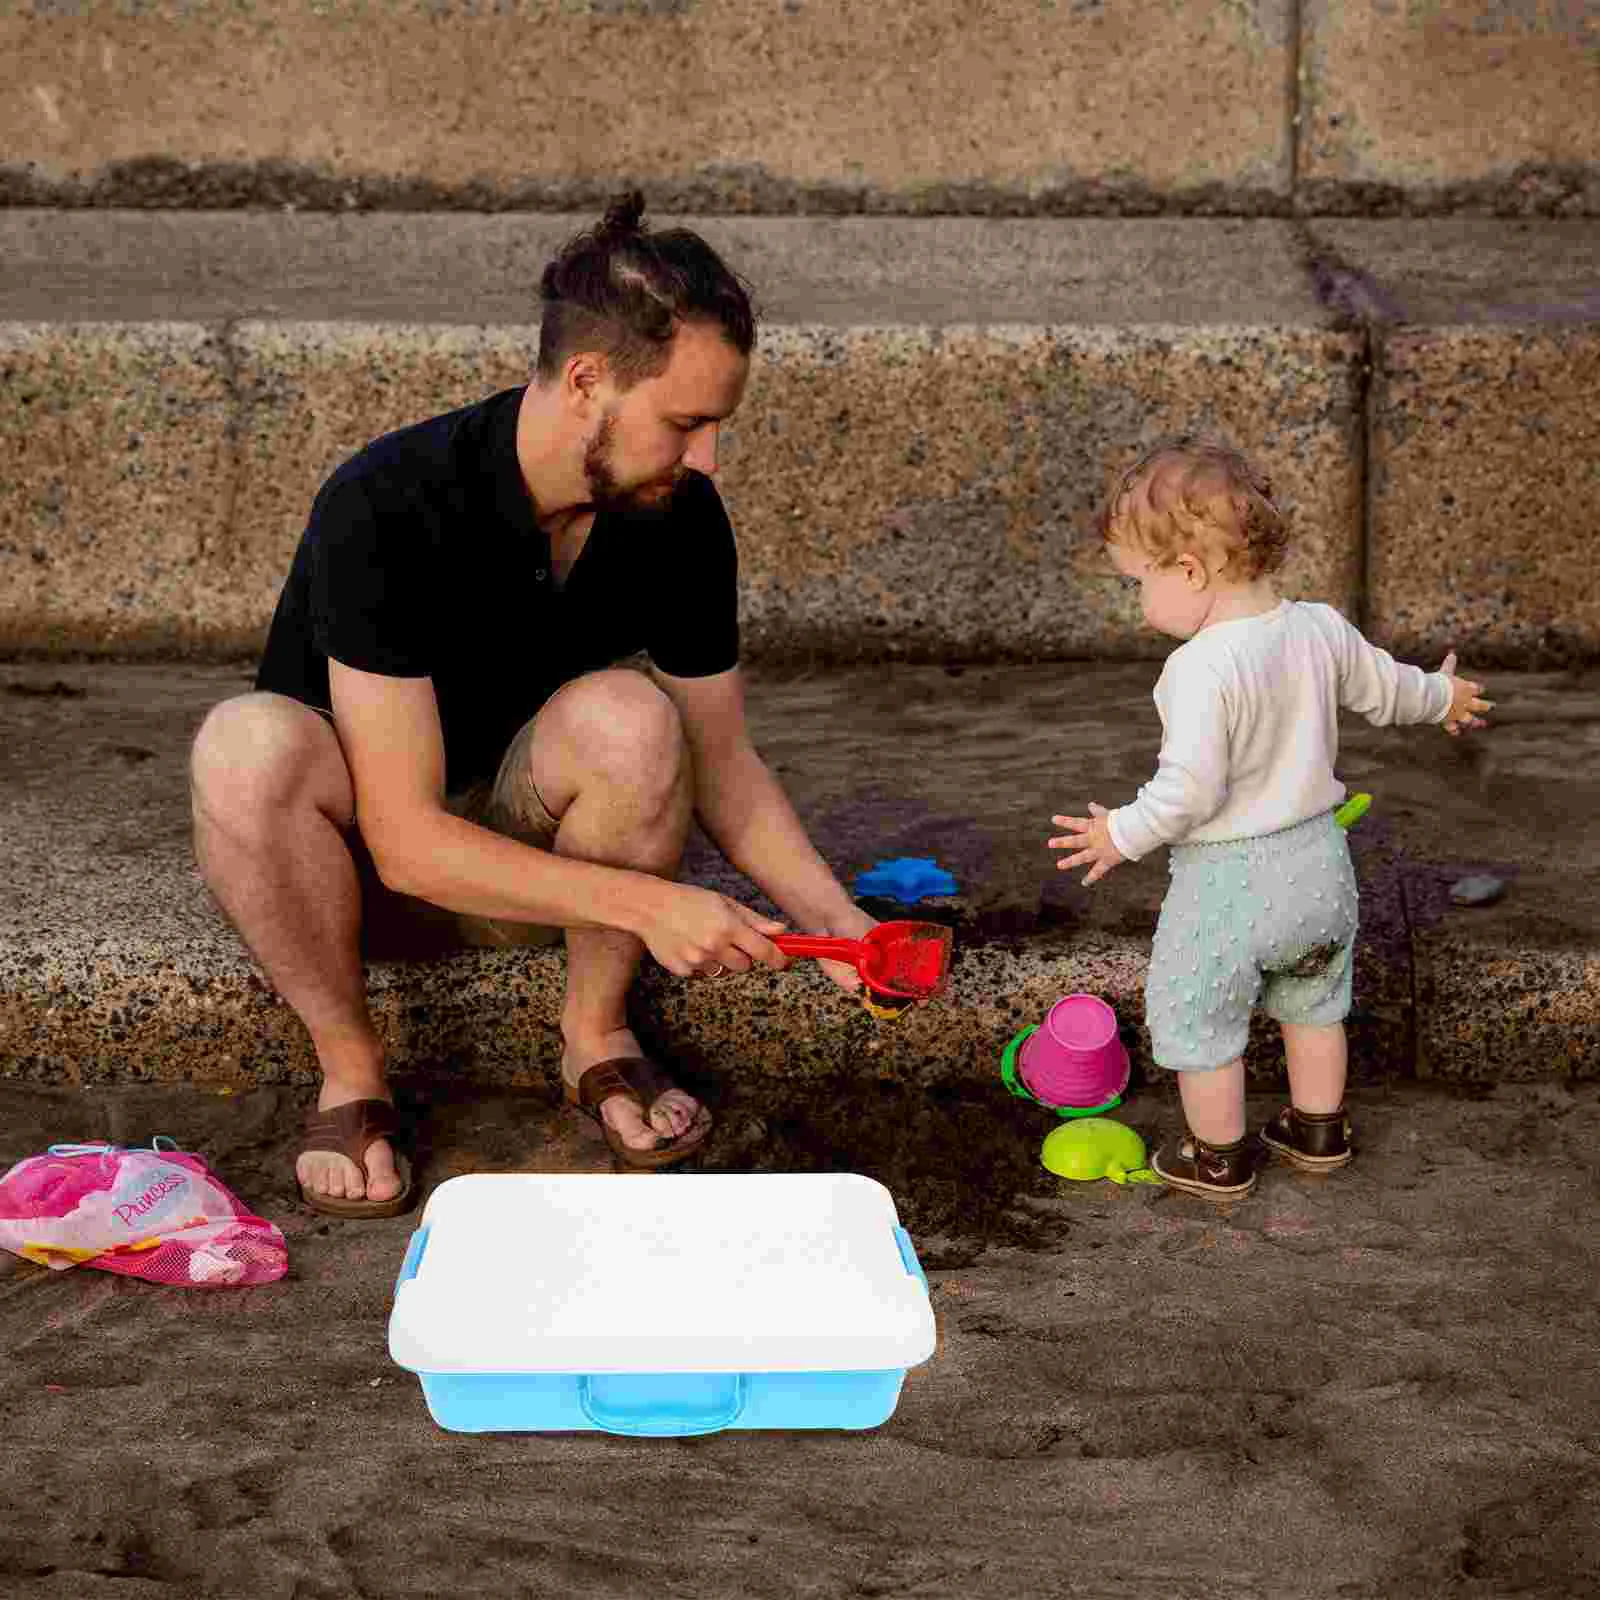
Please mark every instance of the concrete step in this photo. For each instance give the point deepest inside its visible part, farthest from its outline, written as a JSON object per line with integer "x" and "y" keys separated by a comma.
{"x": 934, "y": 413}
{"x": 115, "y": 966}
{"x": 1014, "y": 106}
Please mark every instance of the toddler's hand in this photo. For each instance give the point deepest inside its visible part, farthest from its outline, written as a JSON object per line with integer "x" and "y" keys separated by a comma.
{"x": 1091, "y": 838}
{"x": 1463, "y": 701}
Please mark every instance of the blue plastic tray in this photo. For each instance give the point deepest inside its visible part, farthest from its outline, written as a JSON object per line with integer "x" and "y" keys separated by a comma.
{"x": 835, "y": 1244}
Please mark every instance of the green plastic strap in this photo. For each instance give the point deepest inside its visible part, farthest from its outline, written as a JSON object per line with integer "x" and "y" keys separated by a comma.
{"x": 1008, "y": 1065}
{"x": 1087, "y": 1111}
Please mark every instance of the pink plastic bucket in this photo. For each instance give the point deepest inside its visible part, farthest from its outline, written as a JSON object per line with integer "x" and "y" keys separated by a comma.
{"x": 1076, "y": 1058}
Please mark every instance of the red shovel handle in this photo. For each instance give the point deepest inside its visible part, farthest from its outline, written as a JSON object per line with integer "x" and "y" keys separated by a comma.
{"x": 800, "y": 944}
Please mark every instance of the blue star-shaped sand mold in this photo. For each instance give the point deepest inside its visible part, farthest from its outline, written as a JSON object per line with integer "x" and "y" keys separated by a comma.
{"x": 907, "y": 879}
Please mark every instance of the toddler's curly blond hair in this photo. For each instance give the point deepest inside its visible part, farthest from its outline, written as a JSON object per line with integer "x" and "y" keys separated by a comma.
{"x": 1198, "y": 494}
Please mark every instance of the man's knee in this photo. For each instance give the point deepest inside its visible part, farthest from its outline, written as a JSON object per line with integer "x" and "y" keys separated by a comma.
{"x": 623, "y": 728}
{"x": 258, "y": 754}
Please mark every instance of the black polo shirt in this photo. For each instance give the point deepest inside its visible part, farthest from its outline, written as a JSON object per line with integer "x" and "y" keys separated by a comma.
{"x": 422, "y": 559}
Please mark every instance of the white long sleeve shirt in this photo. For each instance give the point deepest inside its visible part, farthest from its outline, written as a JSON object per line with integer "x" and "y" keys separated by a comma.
{"x": 1250, "y": 725}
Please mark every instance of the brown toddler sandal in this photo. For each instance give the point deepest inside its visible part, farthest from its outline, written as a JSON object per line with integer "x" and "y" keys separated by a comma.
{"x": 644, "y": 1083}
{"x": 1219, "y": 1171}
{"x": 1313, "y": 1141}
{"x": 348, "y": 1130}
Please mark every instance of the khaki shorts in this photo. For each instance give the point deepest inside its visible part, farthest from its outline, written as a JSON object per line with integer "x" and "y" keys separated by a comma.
{"x": 399, "y": 926}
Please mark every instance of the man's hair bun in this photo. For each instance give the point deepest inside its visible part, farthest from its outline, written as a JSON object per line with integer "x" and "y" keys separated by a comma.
{"x": 621, "y": 289}
{"x": 624, "y": 216}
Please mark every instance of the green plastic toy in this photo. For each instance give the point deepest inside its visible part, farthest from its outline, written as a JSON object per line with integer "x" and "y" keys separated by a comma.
{"x": 1096, "y": 1147}
{"x": 1352, "y": 811}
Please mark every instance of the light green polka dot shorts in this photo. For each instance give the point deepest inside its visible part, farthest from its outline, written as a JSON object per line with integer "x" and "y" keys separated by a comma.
{"x": 1271, "y": 919}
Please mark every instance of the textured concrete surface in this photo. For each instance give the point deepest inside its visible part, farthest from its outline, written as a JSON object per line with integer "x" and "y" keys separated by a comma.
{"x": 1516, "y": 993}
{"x": 1483, "y": 443}
{"x": 116, "y": 484}
{"x": 863, "y": 533}
{"x": 115, "y": 967}
{"x": 1373, "y": 1385}
{"x": 1451, "y": 105}
{"x": 932, "y": 495}
{"x": 719, "y": 105}
{"x": 936, "y": 408}
{"x": 815, "y": 105}
{"x": 1485, "y": 461}
{"x": 484, "y": 269}
{"x": 310, "y": 395}
{"x": 1459, "y": 271}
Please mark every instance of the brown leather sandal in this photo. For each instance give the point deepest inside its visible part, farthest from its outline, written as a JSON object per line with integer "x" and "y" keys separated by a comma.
{"x": 348, "y": 1130}
{"x": 644, "y": 1083}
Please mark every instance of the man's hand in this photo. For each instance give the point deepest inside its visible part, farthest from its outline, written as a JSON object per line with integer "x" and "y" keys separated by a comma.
{"x": 853, "y": 924}
{"x": 1091, "y": 838}
{"x": 698, "y": 931}
{"x": 1463, "y": 700}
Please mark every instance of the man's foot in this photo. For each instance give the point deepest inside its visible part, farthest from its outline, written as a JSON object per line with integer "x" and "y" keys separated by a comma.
{"x": 671, "y": 1116}
{"x": 332, "y": 1175}
{"x": 1220, "y": 1171}
{"x": 1314, "y": 1141}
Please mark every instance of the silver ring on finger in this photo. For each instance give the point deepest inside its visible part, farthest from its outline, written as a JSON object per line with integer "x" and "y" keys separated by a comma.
{"x": 716, "y": 971}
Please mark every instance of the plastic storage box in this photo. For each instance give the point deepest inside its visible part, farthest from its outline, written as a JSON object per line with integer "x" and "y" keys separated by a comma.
{"x": 679, "y": 1305}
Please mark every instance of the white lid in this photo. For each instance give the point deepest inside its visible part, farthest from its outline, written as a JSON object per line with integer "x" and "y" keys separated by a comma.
{"x": 588, "y": 1273}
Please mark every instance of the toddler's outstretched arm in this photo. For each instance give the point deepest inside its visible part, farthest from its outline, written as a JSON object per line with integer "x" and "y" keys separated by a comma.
{"x": 1390, "y": 693}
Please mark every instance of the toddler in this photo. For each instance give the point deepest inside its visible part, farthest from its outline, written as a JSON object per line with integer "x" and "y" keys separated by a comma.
{"x": 1262, "y": 903}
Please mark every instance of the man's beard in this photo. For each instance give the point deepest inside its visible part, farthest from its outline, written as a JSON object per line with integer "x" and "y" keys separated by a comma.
{"x": 652, "y": 498}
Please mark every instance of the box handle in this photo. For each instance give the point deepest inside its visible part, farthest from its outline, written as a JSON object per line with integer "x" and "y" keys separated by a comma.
{"x": 908, "y": 1254}
{"x": 662, "y": 1405}
{"x": 413, "y": 1260}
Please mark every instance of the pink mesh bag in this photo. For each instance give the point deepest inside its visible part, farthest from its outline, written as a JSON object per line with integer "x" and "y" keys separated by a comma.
{"x": 156, "y": 1213}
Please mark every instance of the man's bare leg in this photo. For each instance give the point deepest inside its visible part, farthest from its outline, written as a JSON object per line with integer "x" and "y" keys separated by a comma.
{"x": 272, "y": 799}
{"x": 609, "y": 759}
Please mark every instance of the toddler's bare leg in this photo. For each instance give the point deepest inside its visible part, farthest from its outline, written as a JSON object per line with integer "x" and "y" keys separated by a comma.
{"x": 1318, "y": 1059}
{"x": 1213, "y": 1103}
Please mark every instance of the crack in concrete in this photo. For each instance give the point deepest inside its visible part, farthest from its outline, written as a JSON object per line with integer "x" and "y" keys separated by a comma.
{"x": 232, "y": 432}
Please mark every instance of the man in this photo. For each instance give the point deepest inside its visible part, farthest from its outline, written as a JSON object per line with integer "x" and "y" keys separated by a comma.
{"x": 438, "y": 725}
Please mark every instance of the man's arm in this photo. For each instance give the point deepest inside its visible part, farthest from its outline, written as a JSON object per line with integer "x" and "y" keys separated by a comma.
{"x": 394, "y": 746}
{"x": 742, "y": 806}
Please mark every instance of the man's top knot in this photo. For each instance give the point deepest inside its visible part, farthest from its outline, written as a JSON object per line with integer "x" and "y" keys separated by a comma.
{"x": 624, "y": 217}
{"x": 622, "y": 291}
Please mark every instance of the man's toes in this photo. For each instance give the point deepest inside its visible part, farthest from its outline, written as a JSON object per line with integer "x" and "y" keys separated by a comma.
{"x": 330, "y": 1175}
{"x": 383, "y": 1180}
{"x": 336, "y": 1177}
{"x": 669, "y": 1121}
{"x": 674, "y": 1113}
{"x": 309, "y": 1170}
{"x": 623, "y": 1115}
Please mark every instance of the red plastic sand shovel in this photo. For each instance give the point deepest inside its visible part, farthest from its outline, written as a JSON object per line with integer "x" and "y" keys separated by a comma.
{"x": 904, "y": 961}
